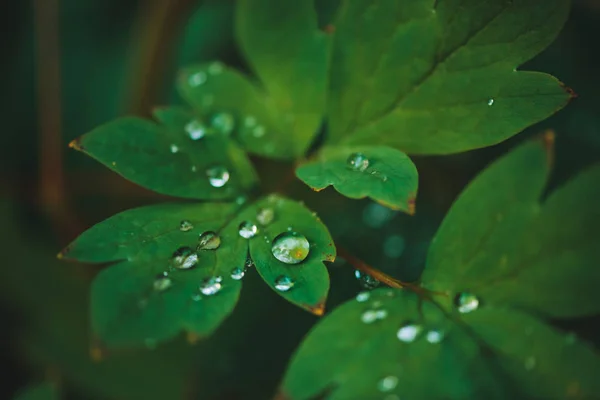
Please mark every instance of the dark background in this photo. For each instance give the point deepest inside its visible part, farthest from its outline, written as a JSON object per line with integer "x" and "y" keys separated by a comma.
{"x": 70, "y": 65}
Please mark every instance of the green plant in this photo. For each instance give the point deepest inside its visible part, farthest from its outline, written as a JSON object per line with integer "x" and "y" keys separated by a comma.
{"x": 421, "y": 77}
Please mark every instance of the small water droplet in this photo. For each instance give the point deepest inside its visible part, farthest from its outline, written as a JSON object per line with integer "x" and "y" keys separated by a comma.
{"x": 490, "y": 102}
{"x": 249, "y": 121}
{"x": 434, "y": 336}
{"x": 218, "y": 176}
{"x": 381, "y": 314}
{"x": 237, "y": 273}
{"x": 409, "y": 332}
{"x": 358, "y": 162}
{"x": 185, "y": 226}
{"x": 363, "y": 296}
{"x": 216, "y": 68}
{"x": 174, "y": 148}
{"x": 388, "y": 383}
{"x": 259, "y": 131}
{"x": 366, "y": 280}
{"x": 247, "y": 230}
{"x": 290, "y": 248}
{"x": 265, "y": 216}
{"x": 368, "y": 316}
{"x": 223, "y": 122}
{"x": 466, "y": 302}
{"x": 195, "y": 129}
{"x": 209, "y": 240}
{"x": 162, "y": 283}
{"x": 393, "y": 246}
{"x": 197, "y": 79}
{"x": 184, "y": 258}
{"x": 283, "y": 283}
{"x": 530, "y": 363}
{"x": 211, "y": 286}
{"x": 249, "y": 263}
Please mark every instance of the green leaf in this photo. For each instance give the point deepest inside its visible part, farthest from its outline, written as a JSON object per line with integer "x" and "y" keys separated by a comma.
{"x": 362, "y": 351}
{"x": 503, "y": 244}
{"x": 384, "y": 174}
{"x": 42, "y": 391}
{"x": 285, "y": 48}
{"x": 165, "y": 159}
{"x": 458, "y": 89}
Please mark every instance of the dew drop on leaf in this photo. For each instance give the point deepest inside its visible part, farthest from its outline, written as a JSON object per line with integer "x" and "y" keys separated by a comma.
{"x": 366, "y": 280}
{"x": 388, "y": 383}
{"x": 466, "y": 302}
{"x": 237, "y": 273}
{"x": 434, "y": 336}
{"x": 223, "y": 123}
{"x": 211, "y": 286}
{"x": 218, "y": 176}
{"x": 249, "y": 263}
{"x": 185, "y": 226}
{"x": 283, "y": 283}
{"x": 209, "y": 240}
{"x": 265, "y": 216}
{"x": 247, "y": 230}
{"x": 363, "y": 296}
{"x": 368, "y": 316}
{"x": 184, "y": 258}
{"x": 490, "y": 102}
{"x": 409, "y": 332}
{"x": 195, "y": 129}
{"x": 162, "y": 283}
{"x": 290, "y": 248}
{"x": 357, "y": 162}
{"x": 197, "y": 79}
{"x": 174, "y": 148}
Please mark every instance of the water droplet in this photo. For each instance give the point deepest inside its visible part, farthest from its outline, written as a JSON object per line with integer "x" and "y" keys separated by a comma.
{"x": 366, "y": 280}
{"x": 249, "y": 121}
{"x": 218, "y": 176}
{"x": 393, "y": 246}
{"x": 290, "y": 248}
{"x": 210, "y": 286}
{"x": 376, "y": 216}
{"x": 184, "y": 258}
{"x": 358, "y": 162}
{"x": 185, "y": 226}
{"x": 388, "y": 383}
{"x": 381, "y": 314}
{"x": 209, "y": 240}
{"x": 194, "y": 169}
{"x": 466, "y": 302}
{"x": 197, "y": 79}
{"x": 195, "y": 129}
{"x": 162, "y": 283}
{"x": 223, "y": 122}
{"x": 247, "y": 230}
{"x": 434, "y": 336}
{"x": 368, "y": 316}
{"x": 215, "y": 68}
{"x": 249, "y": 263}
{"x": 283, "y": 283}
{"x": 265, "y": 216}
{"x": 490, "y": 102}
{"x": 237, "y": 273}
{"x": 259, "y": 131}
{"x": 530, "y": 363}
{"x": 409, "y": 332}
{"x": 174, "y": 148}
{"x": 363, "y": 296}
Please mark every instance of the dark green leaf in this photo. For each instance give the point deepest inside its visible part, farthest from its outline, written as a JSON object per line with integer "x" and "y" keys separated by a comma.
{"x": 290, "y": 55}
{"x": 42, "y": 391}
{"x": 439, "y": 76}
{"x": 165, "y": 159}
{"x": 499, "y": 354}
{"x": 384, "y": 174}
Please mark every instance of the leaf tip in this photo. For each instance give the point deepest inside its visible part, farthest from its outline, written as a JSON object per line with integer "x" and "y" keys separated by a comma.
{"x": 572, "y": 94}
{"x": 318, "y": 310}
{"x": 76, "y": 144}
{"x": 411, "y": 205}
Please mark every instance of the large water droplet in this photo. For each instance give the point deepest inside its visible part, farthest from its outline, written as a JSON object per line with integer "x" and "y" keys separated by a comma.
{"x": 363, "y": 296}
{"x": 393, "y": 246}
{"x": 197, "y": 79}
{"x": 162, "y": 282}
{"x": 218, "y": 176}
{"x": 388, "y": 383}
{"x": 284, "y": 283}
{"x": 409, "y": 332}
{"x": 290, "y": 247}
{"x": 530, "y": 363}
{"x": 358, "y": 162}
{"x": 237, "y": 273}
{"x": 366, "y": 280}
{"x": 223, "y": 122}
{"x": 210, "y": 286}
{"x": 466, "y": 302}
{"x": 434, "y": 336}
{"x": 209, "y": 241}
{"x": 265, "y": 216}
{"x": 185, "y": 226}
{"x": 174, "y": 148}
{"x": 195, "y": 130}
{"x": 184, "y": 258}
{"x": 247, "y": 230}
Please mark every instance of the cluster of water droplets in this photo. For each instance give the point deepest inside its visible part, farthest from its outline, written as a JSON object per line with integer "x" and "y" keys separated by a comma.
{"x": 365, "y": 280}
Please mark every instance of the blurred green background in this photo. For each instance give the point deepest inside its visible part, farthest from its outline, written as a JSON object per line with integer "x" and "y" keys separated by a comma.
{"x": 69, "y": 65}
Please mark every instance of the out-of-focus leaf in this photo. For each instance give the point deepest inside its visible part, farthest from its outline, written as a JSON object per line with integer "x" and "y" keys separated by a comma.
{"x": 42, "y": 391}
{"x": 440, "y": 76}
{"x": 382, "y": 173}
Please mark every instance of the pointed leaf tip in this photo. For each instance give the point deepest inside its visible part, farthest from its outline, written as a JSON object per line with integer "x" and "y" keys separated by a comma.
{"x": 318, "y": 310}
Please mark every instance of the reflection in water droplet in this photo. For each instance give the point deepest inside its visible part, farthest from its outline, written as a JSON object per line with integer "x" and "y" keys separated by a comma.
{"x": 185, "y": 226}
{"x": 237, "y": 273}
{"x": 283, "y": 283}
{"x": 409, "y": 332}
{"x": 162, "y": 283}
{"x": 265, "y": 216}
{"x": 174, "y": 148}
{"x": 490, "y": 102}
{"x": 184, "y": 258}
{"x": 530, "y": 363}
{"x": 215, "y": 68}
{"x": 223, "y": 122}
{"x": 218, "y": 176}
{"x": 388, "y": 383}
{"x": 211, "y": 286}
{"x": 247, "y": 230}
{"x": 259, "y": 131}
{"x": 197, "y": 79}
{"x": 393, "y": 246}
{"x": 290, "y": 247}
{"x": 363, "y": 296}
{"x": 376, "y": 216}
{"x": 366, "y": 280}
{"x": 357, "y": 162}
{"x": 195, "y": 130}
{"x": 466, "y": 302}
{"x": 434, "y": 336}
{"x": 249, "y": 121}
{"x": 209, "y": 240}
